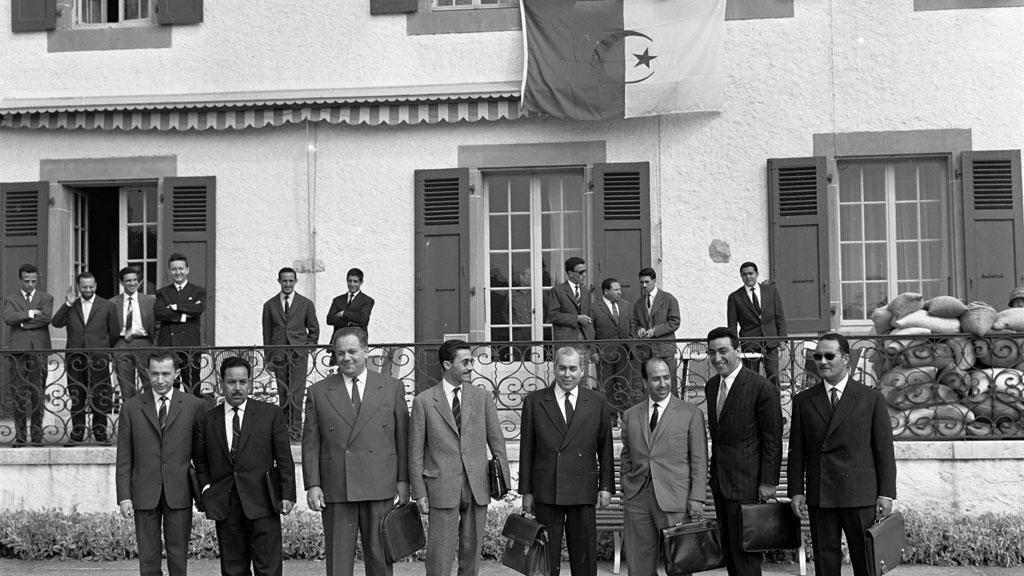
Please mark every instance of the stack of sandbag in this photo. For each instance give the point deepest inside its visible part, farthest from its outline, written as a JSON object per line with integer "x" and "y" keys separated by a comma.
{"x": 910, "y": 315}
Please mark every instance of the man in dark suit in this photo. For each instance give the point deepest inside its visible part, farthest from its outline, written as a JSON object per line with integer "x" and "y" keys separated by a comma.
{"x": 842, "y": 466}
{"x": 155, "y": 434}
{"x": 569, "y": 305}
{"x": 28, "y": 313}
{"x": 664, "y": 467}
{"x": 136, "y": 323}
{"x": 353, "y": 308}
{"x": 355, "y": 455}
{"x": 757, "y": 308}
{"x": 244, "y": 462}
{"x": 179, "y": 307}
{"x": 453, "y": 425}
{"x": 612, "y": 321}
{"x": 745, "y": 419}
{"x": 289, "y": 319}
{"x": 91, "y": 322}
{"x": 656, "y": 317}
{"x": 566, "y": 462}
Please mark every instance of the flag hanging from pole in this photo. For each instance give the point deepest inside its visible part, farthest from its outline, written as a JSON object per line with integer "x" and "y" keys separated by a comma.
{"x": 608, "y": 59}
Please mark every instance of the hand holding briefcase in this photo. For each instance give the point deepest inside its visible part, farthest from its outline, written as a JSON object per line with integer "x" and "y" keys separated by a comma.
{"x": 692, "y": 547}
{"x": 884, "y": 543}
{"x": 499, "y": 485}
{"x": 402, "y": 532}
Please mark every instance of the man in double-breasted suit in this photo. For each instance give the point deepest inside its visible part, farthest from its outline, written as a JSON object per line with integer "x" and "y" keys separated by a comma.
{"x": 656, "y": 317}
{"x": 566, "y": 462}
{"x": 613, "y": 317}
{"x": 569, "y": 305}
{"x": 27, "y": 313}
{"x": 136, "y": 323}
{"x": 355, "y": 455}
{"x": 353, "y": 308}
{"x": 842, "y": 466}
{"x": 244, "y": 462}
{"x": 155, "y": 434}
{"x": 453, "y": 425}
{"x": 179, "y": 307}
{"x": 745, "y": 419}
{"x": 757, "y": 308}
{"x": 289, "y": 319}
{"x": 664, "y": 467}
{"x": 91, "y": 322}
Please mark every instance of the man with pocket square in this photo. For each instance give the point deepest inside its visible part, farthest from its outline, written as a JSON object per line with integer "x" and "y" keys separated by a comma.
{"x": 244, "y": 461}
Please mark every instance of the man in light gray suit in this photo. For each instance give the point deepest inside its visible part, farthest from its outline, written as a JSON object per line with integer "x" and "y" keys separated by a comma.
{"x": 137, "y": 323}
{"x": 664, "y": 467}
{"x": 453, "y": 425}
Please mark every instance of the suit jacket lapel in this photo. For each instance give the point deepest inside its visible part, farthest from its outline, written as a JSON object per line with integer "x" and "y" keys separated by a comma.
{"x": 734, "y": 390}
{"x": 579, "y": 416}
{"x": 442, "y": 407}
{"x": 550, "y": 404}
{"x": 174, "y": 407}
{"x": 850, "y": 398}
{"x": 665, "y": 415}
{"x": 572, "y": 297}
{"x": 372, "y": 399}
{"x": 645, "y": 423}
{"x": 338, "y": 396}
{"x": 248, "y": 423}
{"x": 149, "y": 409}
{"x": 819, "y": 399}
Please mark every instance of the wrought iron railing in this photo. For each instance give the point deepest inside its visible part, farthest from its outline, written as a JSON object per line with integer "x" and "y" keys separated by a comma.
{"x": 937, "y": 387}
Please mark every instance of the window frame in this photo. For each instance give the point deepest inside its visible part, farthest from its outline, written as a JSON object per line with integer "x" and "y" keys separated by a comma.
{"x": 78, "y": 21}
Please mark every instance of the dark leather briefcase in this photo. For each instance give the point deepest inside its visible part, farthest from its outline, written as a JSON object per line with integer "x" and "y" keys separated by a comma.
{"x": 195, "y": 488}
{"x": 884, "y": 543}
{"x": 499, "y": 486}
{"x": 402, "y": 532}
{"x": 526, "y": 546}
{"x": 692, "y": 547}
{"x": 771, "y": 526}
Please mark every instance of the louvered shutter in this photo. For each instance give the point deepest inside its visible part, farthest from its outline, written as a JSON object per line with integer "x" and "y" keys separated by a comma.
{"x": 392, "y": 6}
{"x": 798, "y": 241}
{"x": 33, "y": 15}
{"x": 189, "y": 228}
{"x": 993, "y": 231}
{"x": 24, "y": 219}
{"x": 179, "y": 11}
{"x": 622, "y": 225}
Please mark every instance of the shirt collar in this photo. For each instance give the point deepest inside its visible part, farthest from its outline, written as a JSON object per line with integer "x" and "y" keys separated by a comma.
{"x": 654, "y": 292}
{"x": 840, "y": 387}
{"x": 88, "y": 300}
{"x": 449, "y": 388}
{"x": 352, "y": 294}
{"x": 662, "y": 404}
{"x": 156, "y": 397}
{"x": 573, "y": 394}
{"x": 31, "y": 294}
{"x": 731, "y": 377}
{"x": 241, "y": 409}
{"x": 756, "y": 288}
{"x": 290, "y": 296}
{"x": 361, "y": 376}
{"x": 608, "y": 303}
{"x": 574, "y": 286}
{"x": 181, "y": 286}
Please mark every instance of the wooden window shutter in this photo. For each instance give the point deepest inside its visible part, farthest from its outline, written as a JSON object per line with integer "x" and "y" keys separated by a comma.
{"x": 24, "y": 222}
{"x": 993, "y": 230}
{"x": 622, "y": 225}
{"x": 393, "y": 6}
{"x": 798, "y": 241}
{"x": 33, "y": 15}
{"x": 179, "y": 11}
{"x": 189, "y": 227}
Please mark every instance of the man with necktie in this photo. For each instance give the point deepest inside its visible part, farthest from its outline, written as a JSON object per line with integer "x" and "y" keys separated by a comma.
{"x": 566, "y": 462}
{"x": 613, "y": 317}
{"x": 842, "y": 464}
{"x": 655, "y": 321}
{"x": 28, "y": 313}
{"x": 289, "y": 319}
{"x": 568, "y": 308}
{"x": 91, "y": 322}
{"x": 353, "y": 308}
{"x": 179, "y": 308}
{"x": 453, "y": 426}
{"x": 155, "y": 434}
{"x": 757, "y": 308}
{"x": 745, "y": 420}
{"x": 355, "y": 455}
{"x": 664, "y": 467}
{"x": 136, "y": 329}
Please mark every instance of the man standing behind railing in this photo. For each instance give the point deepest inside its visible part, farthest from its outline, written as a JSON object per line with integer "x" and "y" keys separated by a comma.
{"x": 178, "y": 308}
{"x": 289, "y": 318}
{"x": 613, "y": 318}
{"x": 136, "y": 320}
{"x": 656, "y": 317}
{"x": 28, "y": 312}
{"x": 757, "y": 308}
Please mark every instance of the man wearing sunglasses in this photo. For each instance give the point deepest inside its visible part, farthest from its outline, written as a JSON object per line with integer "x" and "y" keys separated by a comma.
{"x": 842, "y": 466}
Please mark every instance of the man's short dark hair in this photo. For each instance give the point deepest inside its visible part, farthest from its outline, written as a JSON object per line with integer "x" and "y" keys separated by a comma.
{"x": 606, "y": 284}
{"x": 356, "y": 331}
{"x": 287, "y": 270}
{"x": 749, "y": 265}
{"x": 844, "y": 344}
{"x": 27, "y": 269}
{"x": 177, "y": 256}
{"x": 162, "y": 356}
{"x": 235, "y": 362}
{"x": 354, "y": 272}
{"x": 573, "y": 262}
{"x": 84, "y": 276}
{"x": 449, "y": 348}
{"x": 126, "y": 271}
{"x": 723, "y": 332}
{"x": 649, "y": 272}
{"x": 643, "y": 366}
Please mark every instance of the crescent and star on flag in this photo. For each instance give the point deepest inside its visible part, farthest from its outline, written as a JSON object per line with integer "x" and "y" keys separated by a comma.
{"x": 642, "y": 59}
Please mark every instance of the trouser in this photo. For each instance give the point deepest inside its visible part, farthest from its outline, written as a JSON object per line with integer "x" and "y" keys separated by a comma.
{"x": 129, "y": 364}
{"x": 827, "y": 527}
{"x": 644, "y": 522}
{"x": 188, "y": 363}
{"x": 342, "y": 521}
{"x": 28, "y": 379}
{"x": 579, "y": 523}
{"x": 290, "y": 368}
{"x": 769, "y": 359}
{"x": 737, "y": 561}
{"x": 456, "y": 531}
{"x": 176, "y": 525}
{"x": 89, "y": 386}
{"x": 248, "y": 542}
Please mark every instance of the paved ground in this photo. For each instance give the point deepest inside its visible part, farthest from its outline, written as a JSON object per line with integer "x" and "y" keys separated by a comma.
{"x": 302, "y": 568}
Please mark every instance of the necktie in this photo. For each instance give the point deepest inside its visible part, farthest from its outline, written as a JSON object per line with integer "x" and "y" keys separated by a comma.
{"x": 287, "y": 304}
{"x": 28, "y": 298}
{"x": 615, "y": 311}
{"x": 236, "y": 432}
{"x": 357, "y": 403}
{"x": 161, "y": 415}
{"x": 579, "y": 302}
{"x": 457, "y": 410}
{"x": 723, "y": 390}
{"x": 128, "y": 322}
{"x": 654, "y": 417}
{"x": 648, "y": 304}
{"x": 568, "y": 409}
{"x": 757, "y": 303}
{"x": 833, "y": 395}
{"x": 350, "y": 297}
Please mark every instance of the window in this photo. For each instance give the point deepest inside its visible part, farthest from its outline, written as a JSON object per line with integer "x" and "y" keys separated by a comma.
{"x": 79, "y": 232}
{"x": 892, "y": 231}
{"x": 137, "y": 238}
{"x": 112, "y": 12}
{"x": 469, "y": 4}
